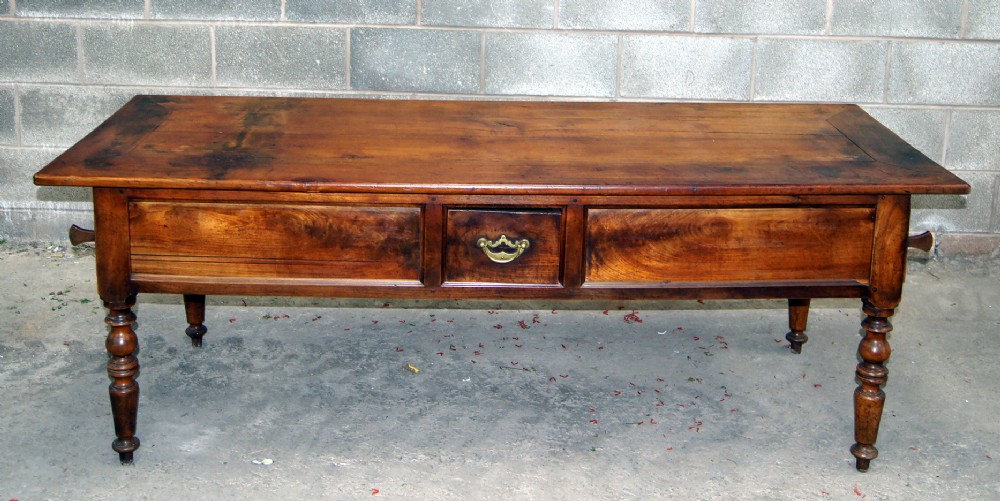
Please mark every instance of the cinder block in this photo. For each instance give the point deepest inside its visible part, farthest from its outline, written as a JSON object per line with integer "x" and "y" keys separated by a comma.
{"x": 352, "y": 11}
{"x": 983, "y": 20}
{"x": 974, "y": 140}
{"x": 44, "y": 221}
{"x": 104, "y": 9}
{"x": 34, "y": 51}
{"x": 901, "y": 18}
{"x": 62, "y": 195}
{"x": 996, "y": 218}
{"x": 488, "y": 13}
{"x": 50, "y": 222}
{"x": 949, "y": 213}
{"x": 8, "y": 132}
{"x": 788, "y": 17}
{"x": 650, "y": 15}
{"x": 945, "y": 73}
{"x": 820, "y": 70}
{"x": 61, "y": 116}
{"x": 17, "y": 166}
{"x": 968, "y": 245}
{"x": 15, "y": 223}
{"x": 147, "y": 54}
{"x": 686, "y": 67}
{"x": 547, "y": 64}
{"x": 267, "y": 56}
{"x": 922, "y": 128}
{"x": 258, "y": 10}
{"x": 415, "y": 60}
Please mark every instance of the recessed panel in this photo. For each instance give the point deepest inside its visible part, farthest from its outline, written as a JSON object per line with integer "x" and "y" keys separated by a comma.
{"x": 275, "y": 241}
{"x": 503, "y": 247}
{"x": 728, "y": 245}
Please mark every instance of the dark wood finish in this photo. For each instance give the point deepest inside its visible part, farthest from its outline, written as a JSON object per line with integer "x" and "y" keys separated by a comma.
{"x": 302, "y": 241}
{"x": 78, "y": 235}
{"x": 728, "y": 245}
{"x": 494, "y": 200}
{"x": 575, "y": 231}
{"x": 923, "y": 241}
{"x": 884, "y": 293}
{"x": 389, "y": 199}
{"x": 194, "y": 309}
{"x": 869, "y": 399}
{"x": 111, "y": 239}
{"x": 539, "y": 264}
{"x": 369, "y": 146}
{"x": 123, "y": 367}
{"x": 118, "y": 294}
{"x": 798, "y": 317}
{"x": 889, "y": 256}
{"x": 433, "y": 244}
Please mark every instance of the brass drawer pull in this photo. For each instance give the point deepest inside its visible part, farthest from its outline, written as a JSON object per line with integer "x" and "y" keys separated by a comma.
{"x": 490, "y": 248}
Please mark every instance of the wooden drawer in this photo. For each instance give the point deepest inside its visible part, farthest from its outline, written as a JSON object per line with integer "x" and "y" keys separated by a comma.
{"x": 275, "y": 241}
{"x": 728, "y": 245}
{"x": 503, "y": 246}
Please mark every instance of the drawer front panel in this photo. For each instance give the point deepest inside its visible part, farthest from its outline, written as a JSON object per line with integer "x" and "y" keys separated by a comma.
{"x": 475, "y": 251}
{"x": 728, "y": 245}
{"x": 275, "y": 241}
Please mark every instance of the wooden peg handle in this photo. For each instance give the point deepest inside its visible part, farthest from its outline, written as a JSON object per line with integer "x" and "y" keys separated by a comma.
{"x": 923, "y": 241}
{"x": 78, "y": 235}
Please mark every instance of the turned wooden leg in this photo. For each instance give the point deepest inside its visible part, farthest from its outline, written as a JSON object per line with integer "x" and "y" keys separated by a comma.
{"x": 122, "y": 369}
{"x": 194, "y": 307}
{"x": 798, "y": 316}
{"x": 869, "y": 399}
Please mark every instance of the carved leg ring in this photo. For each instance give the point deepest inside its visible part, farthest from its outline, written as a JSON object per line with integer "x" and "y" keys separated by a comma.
{"x": 798, "y": 315}
{"x": 122, "y": 369}
{"x": 194, "y": 307}
{"x": 869, "y": 398}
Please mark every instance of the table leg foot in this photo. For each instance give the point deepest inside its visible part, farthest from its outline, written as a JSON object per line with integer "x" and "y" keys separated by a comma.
{"x": 862, "y": 463}
{"x": 798, "y": 317}
{"x": 123, "y": 367}
{"x": 194, "y": 308}
{"x": 869, "y": 399}
{"x": 125, "y": 456}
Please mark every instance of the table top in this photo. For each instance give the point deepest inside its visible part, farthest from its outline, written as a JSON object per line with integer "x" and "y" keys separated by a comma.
{"x": 496, "y": 147}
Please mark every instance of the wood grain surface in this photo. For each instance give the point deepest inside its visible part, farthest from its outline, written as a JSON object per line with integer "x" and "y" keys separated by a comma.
{"x": 379, "y": 146}
{"x": 270, "y": 240}
{"x": 727, "y": 245}
{"x": 465, "y": 262}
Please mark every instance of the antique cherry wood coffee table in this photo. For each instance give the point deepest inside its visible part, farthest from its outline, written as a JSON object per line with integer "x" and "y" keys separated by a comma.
{"x": 489, "y": 200}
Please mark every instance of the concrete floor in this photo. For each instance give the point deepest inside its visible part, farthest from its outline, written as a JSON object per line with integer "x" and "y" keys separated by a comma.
{"x": 310, "y": 399}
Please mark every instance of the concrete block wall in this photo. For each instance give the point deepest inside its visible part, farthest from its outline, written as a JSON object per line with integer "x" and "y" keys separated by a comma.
{"x": 929, "y": 69}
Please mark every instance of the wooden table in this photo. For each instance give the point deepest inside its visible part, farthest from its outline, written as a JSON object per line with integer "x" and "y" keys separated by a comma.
{"x": 497, "y": 200}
